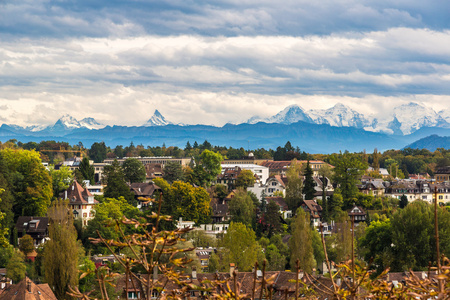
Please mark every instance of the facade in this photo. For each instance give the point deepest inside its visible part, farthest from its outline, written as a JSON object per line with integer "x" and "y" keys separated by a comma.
{"x": 153, "y": 160}
{"x": 261, "y": 172}
{"x": 314, "y": 210}
{"x": 442, "y": 174}
{"x": 81, "y": 201}
{"x": 276, "y": 183}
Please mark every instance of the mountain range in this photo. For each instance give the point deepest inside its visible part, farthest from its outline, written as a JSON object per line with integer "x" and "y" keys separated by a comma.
{"x": 315, "y": 131}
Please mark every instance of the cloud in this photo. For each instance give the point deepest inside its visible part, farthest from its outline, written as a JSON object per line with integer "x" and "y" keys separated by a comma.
{"x": 218, "y": 61}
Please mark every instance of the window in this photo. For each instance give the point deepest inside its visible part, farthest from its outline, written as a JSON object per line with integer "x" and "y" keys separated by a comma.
{"x": 441, "y": 197}
{"x": 424, "y": 197}
{"x": 274, "y": 183}
{"x": 84, "y": 215}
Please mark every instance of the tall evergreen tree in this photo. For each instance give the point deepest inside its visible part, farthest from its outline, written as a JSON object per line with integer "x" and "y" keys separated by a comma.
{"x": 300, "y": 243}
{"x": 294, "y": 186}
{"x": 115, "y": 183}
{"x": 87, "y": 171}
{"x": 61, "y": 251}
{"x": 308, "y": 185}
{"x": 133, "y": 170}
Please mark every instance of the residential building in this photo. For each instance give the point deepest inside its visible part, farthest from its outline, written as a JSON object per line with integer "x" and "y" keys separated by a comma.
{"x": 28, "y": 290}
{"x": 261, "y": 172}
{"x": 357, "y": 214}
{"x": 442, "y": 174}
{"x": 143, "y": 191}
{"x": 314, "y": 210}
{"x": 285, "y": 212}
{"x": 81, "y": 202}
{"x": 153, "y": 160}
{"x": 36, "y": 227}
{"x": 276, "y": 183}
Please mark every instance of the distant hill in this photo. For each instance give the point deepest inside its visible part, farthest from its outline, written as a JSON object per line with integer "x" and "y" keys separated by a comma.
{"x": 431, "y": 143}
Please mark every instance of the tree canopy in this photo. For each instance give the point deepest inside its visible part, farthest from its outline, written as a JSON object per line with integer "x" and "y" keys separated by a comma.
{"x": 133, "y": 170}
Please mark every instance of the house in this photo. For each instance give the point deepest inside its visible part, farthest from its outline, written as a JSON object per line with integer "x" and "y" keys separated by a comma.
{"x": 81, "y": 202}
{"x": 381, "y": 171}
{"x": 143, "y": 191}
{"x": 153, "y": 171}
{"x": 276, "y": 183}
{"x": 203, "y": 256}
{"x": 228, "y": 177}
{"x": 442, "y": 174}
{"x": 28, "y": 290}
{"x": 261, "y": 172}
{"x": 357, "y": 214}
{"x": 285, "y": 212}
{"x": 277, "y": 167}
{"x": 314, "y": 210}
{"x": 36, "y": 227}
{"x": 282, "y": 285}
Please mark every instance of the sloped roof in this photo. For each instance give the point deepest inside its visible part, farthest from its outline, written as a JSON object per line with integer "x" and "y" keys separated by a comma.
{"x": 20, "y": 291}
{"x": 144, "y": 189}
{"x": 77, "y": 194}
{"x": 279, "y": 201}
{"x": 25, "y": 224}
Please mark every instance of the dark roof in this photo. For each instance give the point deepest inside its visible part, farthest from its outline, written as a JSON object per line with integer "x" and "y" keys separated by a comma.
{"x": 32, "y": 225}
{"x": 20, "y": 291}
{"x": 443, "y": 170}
{"x": 279, "y": 201}
{"x": 144, "y": 189}
{"x": 312, "y": 207}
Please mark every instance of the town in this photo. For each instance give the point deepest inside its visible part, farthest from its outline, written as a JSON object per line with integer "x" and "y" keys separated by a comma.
{"x": 74, "y": 219}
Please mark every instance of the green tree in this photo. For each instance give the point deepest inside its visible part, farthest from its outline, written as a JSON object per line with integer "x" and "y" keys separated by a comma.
{"x": 403, "y": 201}
{"x": 32, "y": 184}
{"x": 245, "y": 179}
{"x": 300, "y": 243}
{"x": 107, "y": 211}
{"x": 61, "y": 251}
{"x": 173, "y": 171}
{"x": 98, "y": 152}
{"x": 376, "y": 244}
{"x": 348, "y": 169}
{"x": 240, "y": 247}
{"x": 16, "y": 268}
{"x": 325, "y": 173}
{"x": 412, "y": 226}
{"x": 276, "y": 261}
{"x": 115, "y": 183}
{"x": 241, "y": 208}
{"x": 308, "y": 185}
{"x": 134, "y": 170}
{"x": 209, "y": 167}
{"x": 26, "y": 244}
{"x": 339, "y": 244}
{"x": 294, "y": 186}
{"x": 272, "y": 218}
{"x": 86, "y": 170}
{"x": 6, "y": 252}
{"x": 3, "y": 227}
{"x": 61, "y": 179}
{"x": 190, "y": 203}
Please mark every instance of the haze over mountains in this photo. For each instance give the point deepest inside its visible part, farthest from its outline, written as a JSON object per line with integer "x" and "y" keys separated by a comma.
{"x": 325, "y": 130}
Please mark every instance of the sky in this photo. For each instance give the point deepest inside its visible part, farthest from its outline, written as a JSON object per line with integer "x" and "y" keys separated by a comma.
{"x": 214, "y": 62}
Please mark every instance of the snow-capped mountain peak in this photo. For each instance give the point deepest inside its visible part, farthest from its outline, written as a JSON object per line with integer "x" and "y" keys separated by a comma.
{"x": 289, "y": 115}
{"x": 67, "y": 122}
{"x": 413, "y": 116}
{"x": 339, "y": 115}
{"x": 157, "y": 120}
{"x": 91, "y": 123}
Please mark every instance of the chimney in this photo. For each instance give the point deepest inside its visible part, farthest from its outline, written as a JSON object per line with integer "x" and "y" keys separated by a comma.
{"x": 29, "y": 286}
{"x": 194, "y": 273}
{"x": 232, "y": 267}
{"x": 155, "y": 272}
{"x": 65, "y": 194}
